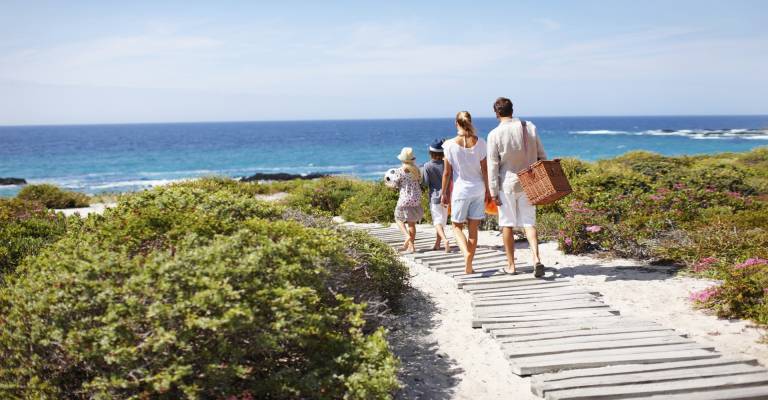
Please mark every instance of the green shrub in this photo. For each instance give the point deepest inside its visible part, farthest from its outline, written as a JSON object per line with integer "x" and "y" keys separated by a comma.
{"x": 325, "y": 194}
{"x": 53, "y": 197}
{"x": 197, "y": 290}
{"x": 25, "y": 228}
{"x": 248, "y": 313}
{"x": 372, "y": 202}
{"x": 742, "y": 294}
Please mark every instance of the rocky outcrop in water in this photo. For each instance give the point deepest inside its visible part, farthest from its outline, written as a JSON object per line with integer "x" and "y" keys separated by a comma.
{"x": 12, "y": 181}
{"x": 281, "y": 176}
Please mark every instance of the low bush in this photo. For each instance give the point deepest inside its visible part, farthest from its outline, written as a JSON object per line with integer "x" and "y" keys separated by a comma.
{"x": 52, "y": 196}
{"x": 25, "y": 228}
{"x": 325, "y": 194}
{"x": 197, "y": 290}
{"x": 372, "y": 202}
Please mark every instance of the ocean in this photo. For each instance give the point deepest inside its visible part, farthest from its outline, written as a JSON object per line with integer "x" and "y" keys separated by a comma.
{"x": 129, "y": 157}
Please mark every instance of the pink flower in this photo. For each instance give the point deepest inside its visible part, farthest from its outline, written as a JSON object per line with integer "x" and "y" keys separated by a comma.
{"x": 704, "y": 264}
{"x": 594, "y": 228}
{"x": 751, "y": 263}
{"x": 656, "y": 197}
{"x": 568, "y": 241}
{"x": 662, "y": 191}
{"x": 710, "y": 189}
{"x": 735, "y": 195}
{"x": 703, "y": 296}
{"x": 679, "y": 185}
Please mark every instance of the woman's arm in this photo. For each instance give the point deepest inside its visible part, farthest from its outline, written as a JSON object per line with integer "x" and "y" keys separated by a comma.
{"x": 484, "y": 168}
{"x": 445, "y": 195}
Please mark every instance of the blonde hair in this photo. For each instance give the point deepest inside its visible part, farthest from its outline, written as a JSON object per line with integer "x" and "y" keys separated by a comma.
{"x": 411, "y": 168}
{"x": 464, "y": 121}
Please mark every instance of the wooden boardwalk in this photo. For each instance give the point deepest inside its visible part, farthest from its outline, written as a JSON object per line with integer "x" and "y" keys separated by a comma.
{"x": 574, "y": 346}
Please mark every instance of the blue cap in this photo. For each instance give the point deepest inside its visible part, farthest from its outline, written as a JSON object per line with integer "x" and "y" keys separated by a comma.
{"x": 436, "y": 146}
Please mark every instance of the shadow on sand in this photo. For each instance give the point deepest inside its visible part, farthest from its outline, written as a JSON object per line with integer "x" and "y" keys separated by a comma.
{"x": 426, "y": 372}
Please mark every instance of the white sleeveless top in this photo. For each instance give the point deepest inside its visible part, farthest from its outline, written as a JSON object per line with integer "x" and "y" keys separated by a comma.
{"x": 467, "y": 173}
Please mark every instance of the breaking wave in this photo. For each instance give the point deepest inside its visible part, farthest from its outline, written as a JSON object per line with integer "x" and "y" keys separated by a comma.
{"x": 705, "y": 134}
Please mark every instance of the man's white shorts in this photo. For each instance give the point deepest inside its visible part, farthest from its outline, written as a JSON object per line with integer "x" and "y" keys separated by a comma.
{"x": 439, "y": 214}
{"x": 516, "y": 210}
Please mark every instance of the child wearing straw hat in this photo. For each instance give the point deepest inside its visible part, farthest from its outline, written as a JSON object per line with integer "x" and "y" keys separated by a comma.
{"x": 408, "y": 211}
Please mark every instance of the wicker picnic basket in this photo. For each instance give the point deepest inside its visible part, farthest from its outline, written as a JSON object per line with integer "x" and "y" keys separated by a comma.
{"x": 544, "y": 182}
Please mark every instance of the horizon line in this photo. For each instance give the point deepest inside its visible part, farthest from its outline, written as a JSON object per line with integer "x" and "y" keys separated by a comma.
{"x": 365, "y": 119}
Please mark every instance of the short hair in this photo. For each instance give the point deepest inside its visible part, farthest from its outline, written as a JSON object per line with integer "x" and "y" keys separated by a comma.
{"x": 503, "y": 107}
{"x": 435, "y": 155}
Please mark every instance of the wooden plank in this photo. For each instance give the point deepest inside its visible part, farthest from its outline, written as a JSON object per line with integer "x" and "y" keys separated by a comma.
{"x": 544, "y": 294}
{"x": 483, "y": 287}
{"x": 455, "y": 265}
{"x": 601, "y": 358}
{"x": 526, "y": 350}
{"x": 585, "y": 335}
{"x": 566, "y": 307}
{"x": 647, "y": 377}
{"x": 438, "y": 255}
{"x": 477, "y": 322}
{"x": 759, "y": 392}
{"x": 672, "y": 387}
{"x": 570, "y": 334}
{"x": 637, "y": 368}
{"x": 443, "y": 261}
{"x": 480, "y": 279}
{"x": 533, "y": 300}
{"x": 564, "y": 321}
{"x": 536, "y": 288}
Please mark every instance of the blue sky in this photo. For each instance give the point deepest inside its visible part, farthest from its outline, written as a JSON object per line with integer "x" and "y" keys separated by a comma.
{"x": 111, "y": 62}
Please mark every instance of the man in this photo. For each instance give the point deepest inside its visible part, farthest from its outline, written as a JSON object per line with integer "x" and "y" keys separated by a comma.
{"x": 509, "y": 152}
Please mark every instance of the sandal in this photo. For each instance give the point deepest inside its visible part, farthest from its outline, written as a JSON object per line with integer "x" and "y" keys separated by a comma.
{"x": 538, "y": 270}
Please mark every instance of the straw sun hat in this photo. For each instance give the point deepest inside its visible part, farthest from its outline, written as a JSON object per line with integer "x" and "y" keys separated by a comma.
{"x": 406, "y": 155}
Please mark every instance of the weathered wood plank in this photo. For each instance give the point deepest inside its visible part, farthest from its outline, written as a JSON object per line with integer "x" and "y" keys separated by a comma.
{"x": 759, "y": 392}
{"x": 533, "y": 300}
{"x": 527, "y": 290}
{"x": 542, "y": 309}
{"x": 526, "y": 350}
{"x": 564, "y": 321}
{"x": 647, "y": 377}
{"x": 459, "y": 265}
{"x": 672, "y": 387}
{"x": 601, "y": 358}
{"x": 578, "y": 313}
{"x": 543, "y": 294}
{"x": 483, "y": 287}
{"x": 592, "y": 335}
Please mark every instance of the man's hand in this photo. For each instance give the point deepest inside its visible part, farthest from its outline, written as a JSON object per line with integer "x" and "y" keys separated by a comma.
{"x": 497, "y": 200}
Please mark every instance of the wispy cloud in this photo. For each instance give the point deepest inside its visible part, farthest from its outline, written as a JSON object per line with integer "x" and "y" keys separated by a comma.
{"x": 548, "y": 23}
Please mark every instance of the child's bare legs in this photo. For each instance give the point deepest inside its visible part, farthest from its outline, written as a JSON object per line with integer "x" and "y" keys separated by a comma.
{"x": 441, "y": 237}
{"x": 509, "y": 247}
{"x": 404, "y": 230}
{"x": 412, "y": 236}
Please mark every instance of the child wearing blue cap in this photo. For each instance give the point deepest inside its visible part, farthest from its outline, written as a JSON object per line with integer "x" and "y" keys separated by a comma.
{"x": 432, "y": 171}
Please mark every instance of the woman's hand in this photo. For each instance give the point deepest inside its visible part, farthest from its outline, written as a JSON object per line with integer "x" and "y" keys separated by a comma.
{"x": 488, "y": 197}
{"x": 497, "y": 200}
{"x": 444, "y": 200}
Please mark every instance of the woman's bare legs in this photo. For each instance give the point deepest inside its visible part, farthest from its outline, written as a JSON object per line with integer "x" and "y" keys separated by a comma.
{"x": 474, "y": 226}
{"x": 465, "y": 244}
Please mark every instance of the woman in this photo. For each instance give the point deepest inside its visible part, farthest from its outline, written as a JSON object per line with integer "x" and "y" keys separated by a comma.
{"x": 465, "y": 166}
{"x": 408, "y": 210}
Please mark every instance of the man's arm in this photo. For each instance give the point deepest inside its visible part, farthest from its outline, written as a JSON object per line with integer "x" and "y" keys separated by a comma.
{"x": 493, "y": 161}
{"x": 484, "y": 168}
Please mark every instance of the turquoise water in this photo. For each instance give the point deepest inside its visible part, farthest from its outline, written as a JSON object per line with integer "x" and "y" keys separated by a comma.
{"x": 104, "y": 158}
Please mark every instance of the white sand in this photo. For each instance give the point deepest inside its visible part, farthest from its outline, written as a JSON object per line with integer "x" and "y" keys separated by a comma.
{"x": 472, "y": 367}
{"x": 95, "y": 208}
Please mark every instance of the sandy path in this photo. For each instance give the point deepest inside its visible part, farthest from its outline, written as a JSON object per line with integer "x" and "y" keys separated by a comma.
{"x": 444, "y": 358}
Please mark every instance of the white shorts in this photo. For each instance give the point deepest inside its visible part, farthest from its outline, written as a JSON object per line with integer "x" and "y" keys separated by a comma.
{"x": 439, "y": 214}
{"x": 516, "y": 210}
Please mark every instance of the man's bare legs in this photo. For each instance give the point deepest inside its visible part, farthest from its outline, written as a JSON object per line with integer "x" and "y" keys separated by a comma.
{"x": 441, "y": 237}
{"x": 533, "y": 243}
{"x": 509, "y": 248}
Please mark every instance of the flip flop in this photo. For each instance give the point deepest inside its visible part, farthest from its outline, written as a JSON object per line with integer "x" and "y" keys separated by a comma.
{"x": 538, "y": 270}
{"x": 505, "y": 272}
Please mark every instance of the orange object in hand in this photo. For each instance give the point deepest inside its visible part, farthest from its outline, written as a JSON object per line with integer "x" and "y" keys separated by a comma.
{"x": 491, "y": 208}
